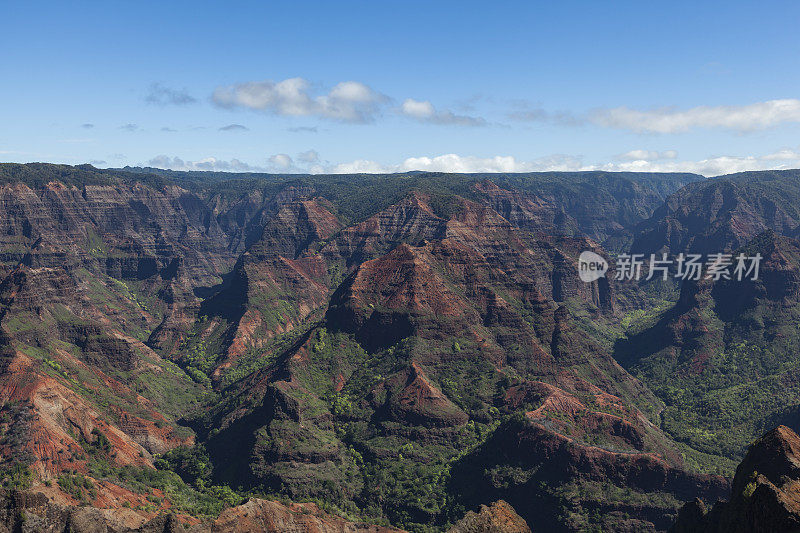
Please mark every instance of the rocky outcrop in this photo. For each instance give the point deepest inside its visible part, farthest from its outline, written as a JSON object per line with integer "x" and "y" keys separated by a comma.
{"x": 128, "y": 231}
{"x": 34, "y": 513}
{"x": 60, "y": 420}
{"x": 410, "y": 397}
{"x": 269, "y": 517}
{"x": 295, "y": 227}
{"x": 243, "y": 215}
{"x": 498, "y": 517}
{"x": 765, "y": 495}
{"x": 386, "y": 299}
{"x": 531, "y": 464}
{"x": 410, "y": 221}
{"x": 29, "y": 512}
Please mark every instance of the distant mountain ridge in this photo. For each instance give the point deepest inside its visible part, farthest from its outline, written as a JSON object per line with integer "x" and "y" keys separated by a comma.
{"x": 723, "y": 213}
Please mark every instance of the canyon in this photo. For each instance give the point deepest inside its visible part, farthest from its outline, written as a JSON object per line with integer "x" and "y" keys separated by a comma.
{"x": 388, "y": 352}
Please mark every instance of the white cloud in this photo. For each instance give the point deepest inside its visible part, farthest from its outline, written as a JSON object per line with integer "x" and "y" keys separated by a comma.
{"x": 463, "y": 164}
{"x": 784, "y": 154}
{"x": 207, "y": 163}
{"x": 714, "y": 166}
{"x": 417, "y": 109}
{"x": 309, "y": 156}
{"x": 647, "y": 155}
{"x": 348, "y": 101}
{"x": 745, "y": 118}
{"x": 637, "y": 161}
{"x": 281, "y": 161}
{"x": 357, "y": 167}
{"x": 665, "y": 162}
{"x": 424, "y": 111}
{"x": 456, "y": 163}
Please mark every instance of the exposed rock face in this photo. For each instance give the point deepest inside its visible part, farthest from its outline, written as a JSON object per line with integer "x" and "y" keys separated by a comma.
{"x": 243, "y": 216}
{"x": 601, "y": 205}
{"x": 572, "y": 446}
{"x": 56, "y": 330}
{"x": 524, "y": 210}
{"x": 295, "y": 227}
{"x": 130, "y": 231}
{"x": 89, "y": 273}
{"x": 498, "y": 517}
{"x": 33, "y": 513}
{"x": 388, "y": 298}
{"x": 722, "y": 214}
{"x": 61, "y": 420}
{"x": 410, "y": 221}
{"x": 277, "y": 283}
{"x": 287, "y": 430}
{"x": 765, "y": 495}
{"x": 412, "y": 398}
{"x": 585, "y": 414}
{"x": 351, "y": 353}
{"x": 474, "y": 293}
{"x": 273, "y": 517}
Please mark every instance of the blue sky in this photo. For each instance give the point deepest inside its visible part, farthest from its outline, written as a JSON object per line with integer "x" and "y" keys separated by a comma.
{"x": 710, "y": 87}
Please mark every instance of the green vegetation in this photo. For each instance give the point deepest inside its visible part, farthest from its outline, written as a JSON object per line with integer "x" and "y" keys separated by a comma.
{"x": 182, "y": 474}
{"x": 135, "y": 296}
{"x": 78, "y": 486}
{"x": 264, "y": 355}
{"x": 734, "y": 376}
{"x": 597, "y": 506}
{"x": 94, "y": 243}
{"x": 201, "y": 350}
{"x": 195, "y": 500}
{"x": 192, "y": 464}
{"x": 17, "y": 476}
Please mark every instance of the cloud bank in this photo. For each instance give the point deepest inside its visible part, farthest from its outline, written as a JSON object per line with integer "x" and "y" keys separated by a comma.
{"x": 348, "y": 101}
{"x": 714, "y": 166}
{"x": 306, "y": 162}
{"x": 648, "y": 162}
{"x": 745, "y": 118}
{"x": 207, "y": 163}
{"x": 647, "y": 155}
{"x": 310, "y": 162}
{"x": 740, "y": 119}
{"x": 424, "y": 111}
